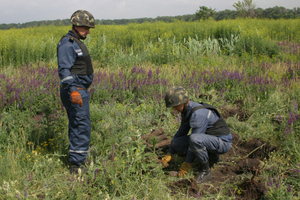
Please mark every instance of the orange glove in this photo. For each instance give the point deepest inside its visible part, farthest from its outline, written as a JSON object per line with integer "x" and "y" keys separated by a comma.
{"x": 185, "y": 168}
{"x": 166, "y": 159}
{"x": 76, "y": 98}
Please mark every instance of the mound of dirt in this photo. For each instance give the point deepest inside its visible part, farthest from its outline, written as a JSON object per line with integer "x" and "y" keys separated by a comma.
{"x": 243, "y": 158}
{"x": 235, "y": 111}
{"x": 251, "y": 189}
{"x": 187, "y": 186}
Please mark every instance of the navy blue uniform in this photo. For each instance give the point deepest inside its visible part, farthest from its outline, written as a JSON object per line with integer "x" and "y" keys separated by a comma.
{"x": 199, "y": 144}
{"x": 68, "y": 51}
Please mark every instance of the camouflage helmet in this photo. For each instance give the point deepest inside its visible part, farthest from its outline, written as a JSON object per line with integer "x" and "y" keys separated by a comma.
{"x": 82, "y": 18}
{"x": 175, "y": 96}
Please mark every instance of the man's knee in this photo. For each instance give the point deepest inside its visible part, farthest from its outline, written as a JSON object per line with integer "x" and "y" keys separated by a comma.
{"x": 180, "y": 146}
{"x": 174, "y": 144}
{"x": 196, "y": 142}
{"x": 194, "y": 139}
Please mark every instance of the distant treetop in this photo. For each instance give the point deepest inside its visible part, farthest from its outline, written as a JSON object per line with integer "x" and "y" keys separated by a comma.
{"x": 246, "y": 8}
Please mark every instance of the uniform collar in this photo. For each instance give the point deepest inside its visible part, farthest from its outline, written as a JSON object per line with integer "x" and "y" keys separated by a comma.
{"x": 72, "y": 34}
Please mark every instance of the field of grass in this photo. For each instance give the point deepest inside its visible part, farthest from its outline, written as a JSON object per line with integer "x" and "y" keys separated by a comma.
{"x": 249, "y": 60}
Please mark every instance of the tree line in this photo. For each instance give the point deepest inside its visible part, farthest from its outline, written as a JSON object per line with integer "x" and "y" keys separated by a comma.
{"x": 242, "y": 10}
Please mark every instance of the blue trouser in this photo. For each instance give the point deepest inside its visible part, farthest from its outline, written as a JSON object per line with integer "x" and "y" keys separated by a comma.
{"x": 79, "y": 125}
{"x": 200, "y": 146}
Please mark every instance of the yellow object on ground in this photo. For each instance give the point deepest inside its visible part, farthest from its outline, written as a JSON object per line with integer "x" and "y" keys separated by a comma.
{"x": 166, "y": 159}
{"x": 185, "y": 168}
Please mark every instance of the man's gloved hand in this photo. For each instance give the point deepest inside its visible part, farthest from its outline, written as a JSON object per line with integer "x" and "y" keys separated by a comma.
{"x": 185, "y": 168}
{"x": 166, "y": 159}
{"x": 76, "y": 98}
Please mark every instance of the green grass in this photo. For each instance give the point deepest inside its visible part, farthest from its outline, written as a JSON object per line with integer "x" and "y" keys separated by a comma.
{"x": 34, "y": 133}
{"x": 158, "y": 43}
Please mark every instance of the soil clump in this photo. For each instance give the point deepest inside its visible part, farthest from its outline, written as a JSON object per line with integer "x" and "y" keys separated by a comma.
{"x": 243, "y": 160}
{"x": 237, "y": 174}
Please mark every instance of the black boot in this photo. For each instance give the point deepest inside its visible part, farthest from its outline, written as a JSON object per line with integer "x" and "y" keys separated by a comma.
{"x": 213, "y": 159}
{"x": 74, "y": 169}
{"x": 84, "y": 167}
{"x": 205, "y": 174}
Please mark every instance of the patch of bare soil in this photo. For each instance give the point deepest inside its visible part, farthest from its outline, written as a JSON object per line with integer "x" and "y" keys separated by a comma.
{"x": 186, "y": 186}
{"x": 244, "y": 158}
{"x": 235, "y": 110}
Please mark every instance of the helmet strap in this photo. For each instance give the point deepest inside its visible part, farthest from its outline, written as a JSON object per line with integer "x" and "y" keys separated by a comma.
{"x": 79, "y": 35}
{"x": 184, "y": 108}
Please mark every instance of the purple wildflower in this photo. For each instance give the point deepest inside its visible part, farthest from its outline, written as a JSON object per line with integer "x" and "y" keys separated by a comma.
{"x": 95, "y": 174}
{"x": 25, "y": 193}
{"x": 289, "y": 188}
{"x": 30, "y": 177}
{"x": 149, "y": 74}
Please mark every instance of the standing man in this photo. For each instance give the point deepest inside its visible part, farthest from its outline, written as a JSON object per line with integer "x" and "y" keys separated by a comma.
{"x": 210, "y": 134}
{"x": 76, "y": 74}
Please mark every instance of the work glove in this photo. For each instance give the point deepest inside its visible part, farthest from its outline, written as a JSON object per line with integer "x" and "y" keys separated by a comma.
{"x": 166, "y": 159}
{"x": 185, "y": 168}
{"x": 76, "y": 98}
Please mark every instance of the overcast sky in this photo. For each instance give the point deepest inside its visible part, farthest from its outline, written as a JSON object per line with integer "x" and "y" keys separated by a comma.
{"x": 21, "y": 11}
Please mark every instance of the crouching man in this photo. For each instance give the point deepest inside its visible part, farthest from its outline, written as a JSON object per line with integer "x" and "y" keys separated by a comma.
{"x": 209, "y": 138}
